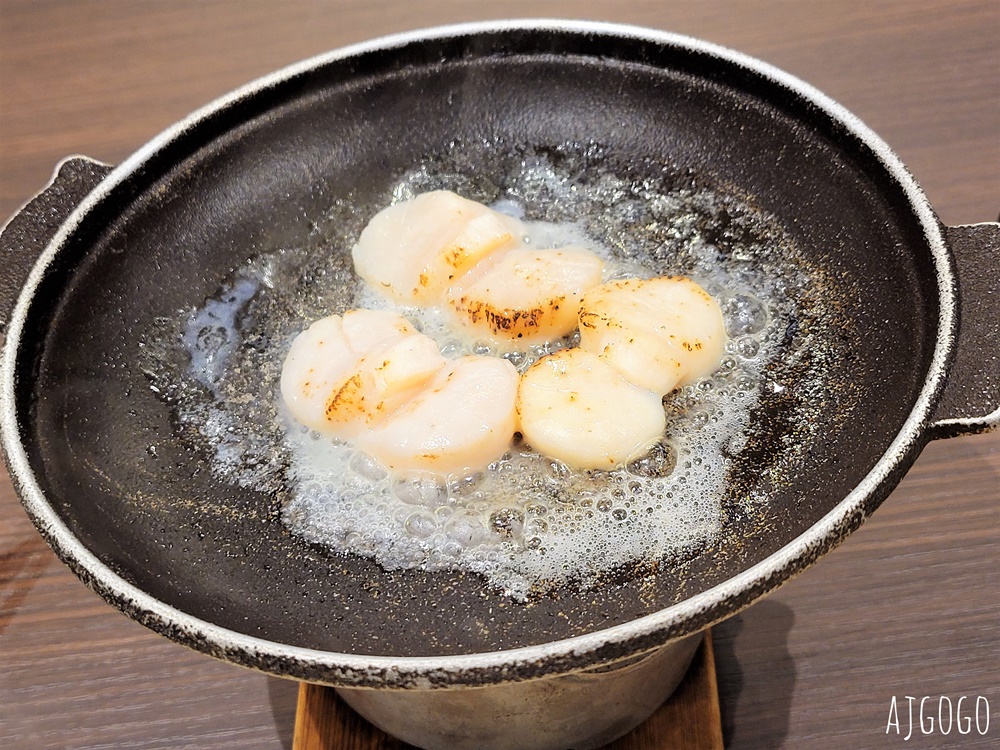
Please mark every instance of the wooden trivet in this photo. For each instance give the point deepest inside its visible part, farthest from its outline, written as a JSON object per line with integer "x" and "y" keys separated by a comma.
{"x": 689, "y": 720}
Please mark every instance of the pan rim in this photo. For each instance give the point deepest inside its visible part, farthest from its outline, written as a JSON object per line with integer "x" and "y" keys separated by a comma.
{"x": 688, "y": 616}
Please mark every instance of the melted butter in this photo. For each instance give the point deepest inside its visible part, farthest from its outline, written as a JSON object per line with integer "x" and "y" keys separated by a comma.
{"x": 526, "y": 523}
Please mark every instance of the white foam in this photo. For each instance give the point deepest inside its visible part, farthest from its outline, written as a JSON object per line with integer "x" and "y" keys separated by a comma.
{"x": 528, "y": 523}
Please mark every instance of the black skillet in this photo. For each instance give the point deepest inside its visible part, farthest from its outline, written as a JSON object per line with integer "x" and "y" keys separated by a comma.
{"x": 210, "y": 565}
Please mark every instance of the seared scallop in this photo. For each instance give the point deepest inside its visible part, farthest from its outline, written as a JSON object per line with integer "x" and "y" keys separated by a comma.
{"x": 414, "y": 250}
{"x": 346, "y": 371}
{"x": 525, "y": 296}
{"x": 658, "y": 333}
{"x": 460, "y": 422}
{"x": 574, "y": 406}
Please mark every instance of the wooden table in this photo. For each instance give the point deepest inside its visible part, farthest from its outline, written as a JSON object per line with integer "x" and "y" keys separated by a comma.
{"x": 908, "y": 606}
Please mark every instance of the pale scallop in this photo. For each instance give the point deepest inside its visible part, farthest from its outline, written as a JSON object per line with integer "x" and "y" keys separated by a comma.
{"x": 414, "y": 250}
{"x": 459, "y": 423}
{"x": 345, "y": 372}
{"x": 575, "y": 407}
{"x": 658, "y": 333}
{"x": 525, "y": 296}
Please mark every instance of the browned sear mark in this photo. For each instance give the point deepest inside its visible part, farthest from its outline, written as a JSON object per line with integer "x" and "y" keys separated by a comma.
{"x": 345, "y": 400}
{"x": 505, "y": 321}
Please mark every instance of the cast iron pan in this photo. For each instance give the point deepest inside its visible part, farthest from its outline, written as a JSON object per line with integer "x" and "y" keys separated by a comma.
{"x": 210, "y": 564}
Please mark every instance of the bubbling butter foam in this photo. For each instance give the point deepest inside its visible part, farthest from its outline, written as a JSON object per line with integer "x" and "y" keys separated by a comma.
{"x": 526, "y": 523}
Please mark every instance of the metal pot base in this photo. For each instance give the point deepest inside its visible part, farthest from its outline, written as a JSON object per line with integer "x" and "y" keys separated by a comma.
{"x": 581, "y": 710}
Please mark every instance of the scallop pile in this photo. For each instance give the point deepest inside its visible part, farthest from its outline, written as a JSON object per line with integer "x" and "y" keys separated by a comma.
{"x": 368, "y": 377}
{"x": 417, "y": 338}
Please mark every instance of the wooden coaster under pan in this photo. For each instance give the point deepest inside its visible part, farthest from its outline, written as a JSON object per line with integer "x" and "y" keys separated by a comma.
{"x": 689, "y": 720}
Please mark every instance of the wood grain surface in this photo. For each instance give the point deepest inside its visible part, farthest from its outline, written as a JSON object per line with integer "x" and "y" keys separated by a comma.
{"x": 908, "y": 606}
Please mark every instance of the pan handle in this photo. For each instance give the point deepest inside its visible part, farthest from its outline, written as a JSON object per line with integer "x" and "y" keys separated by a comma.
{"x": 971, "y": 399}
{"x": 28, "y": 232}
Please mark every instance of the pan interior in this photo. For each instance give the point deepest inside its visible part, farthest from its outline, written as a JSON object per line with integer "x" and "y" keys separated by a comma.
{"x": 276, "y": 187}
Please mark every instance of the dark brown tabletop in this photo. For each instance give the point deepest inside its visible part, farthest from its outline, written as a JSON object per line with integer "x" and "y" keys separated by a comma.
{"x": 908, "y": 606}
